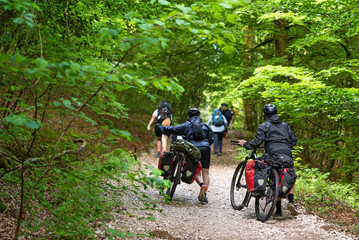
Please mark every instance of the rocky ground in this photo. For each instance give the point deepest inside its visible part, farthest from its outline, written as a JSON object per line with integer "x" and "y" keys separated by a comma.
{"x": 186, "y": 218}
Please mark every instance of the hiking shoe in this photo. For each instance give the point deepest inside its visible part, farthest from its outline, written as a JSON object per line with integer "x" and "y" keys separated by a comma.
{"x": 292, "y": 209}
{"x": 220, "y": 154}
{"x": 215, "y": 154}
{"x": 158, "y": 155}
{"x": 205, "y": 201}
{"x": 202, "y": 194}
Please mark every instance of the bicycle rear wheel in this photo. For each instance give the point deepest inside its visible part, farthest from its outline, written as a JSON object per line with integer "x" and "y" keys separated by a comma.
{"x": 175, "y": 176}
{"x": 239, "y": 194}
{"x": 266, "y": 203}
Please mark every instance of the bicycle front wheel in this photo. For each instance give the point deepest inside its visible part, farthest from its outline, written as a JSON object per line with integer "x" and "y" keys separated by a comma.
{"x": 266, "y": 203}
{"x": 239, "y": 194}
{"x": 175, "y": 176}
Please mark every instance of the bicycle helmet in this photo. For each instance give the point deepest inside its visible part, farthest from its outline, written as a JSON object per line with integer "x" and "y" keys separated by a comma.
{"x": 193, "y": 112}
{"x": 269, "y": 110}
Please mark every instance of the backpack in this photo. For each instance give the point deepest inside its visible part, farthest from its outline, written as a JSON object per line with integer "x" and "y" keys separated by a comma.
{"x": 256, "y": 176}
{"x": 208, "y": 134}
{"x": 163, "y": 111}
{"x": 196, "y": 127}
{"x": 188, "y": 148}
{"x": 217, "y": 118}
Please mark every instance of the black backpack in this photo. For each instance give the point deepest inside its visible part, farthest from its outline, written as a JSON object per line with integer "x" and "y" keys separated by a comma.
{"x": 196, "y": 127}
{"x": 163, "y": 111}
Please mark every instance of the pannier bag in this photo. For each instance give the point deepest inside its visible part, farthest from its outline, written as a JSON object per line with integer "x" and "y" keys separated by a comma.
{"x": 188, "y": 148}
{"x": 256, "y": 176}
{"x": 191, "y": 169}
{"x": 165, "y": 163}
{"x": 287, "y": 178}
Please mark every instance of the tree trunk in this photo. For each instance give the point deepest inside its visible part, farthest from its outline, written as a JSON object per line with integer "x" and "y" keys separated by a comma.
{"x": 282, "y": 41}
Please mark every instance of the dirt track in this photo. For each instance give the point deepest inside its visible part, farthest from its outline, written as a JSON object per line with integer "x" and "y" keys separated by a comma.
{"x": 186, "y": 218}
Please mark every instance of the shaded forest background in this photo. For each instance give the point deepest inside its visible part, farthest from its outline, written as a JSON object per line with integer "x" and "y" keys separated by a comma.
{"x": 80, "y": 80}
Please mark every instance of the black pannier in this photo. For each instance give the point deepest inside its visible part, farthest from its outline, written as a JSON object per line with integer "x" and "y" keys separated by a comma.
{"x": 165, "y": 163}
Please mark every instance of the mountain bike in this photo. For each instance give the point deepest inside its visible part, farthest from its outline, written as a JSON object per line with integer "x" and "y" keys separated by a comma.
{"x": 265, "y": 202}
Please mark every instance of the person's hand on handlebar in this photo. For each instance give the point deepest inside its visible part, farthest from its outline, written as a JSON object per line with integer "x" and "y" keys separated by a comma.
{"x": 241, "y": 142}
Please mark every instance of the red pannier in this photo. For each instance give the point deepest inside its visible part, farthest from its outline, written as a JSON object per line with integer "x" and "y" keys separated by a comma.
{"x": 191, "y": 169}
{"x": 287, "y": 178}
{"x": 165, "y": 163}
{"x": 256, "y": 176}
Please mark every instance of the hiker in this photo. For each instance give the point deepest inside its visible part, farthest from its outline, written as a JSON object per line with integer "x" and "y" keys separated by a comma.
{"x": 234, "y": 113}
{"x": 278, "y": 138}
{"x": 218, "y": 125}
{"x": 199, "y": 134}
{"x": 226, "y": 112}
{"x": 162, "y": 115}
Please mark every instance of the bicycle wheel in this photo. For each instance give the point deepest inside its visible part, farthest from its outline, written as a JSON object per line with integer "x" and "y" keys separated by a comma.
{"x": 266, "y": 203}
{"x": 239, "y": 194}
{"x": 175, "y": 176}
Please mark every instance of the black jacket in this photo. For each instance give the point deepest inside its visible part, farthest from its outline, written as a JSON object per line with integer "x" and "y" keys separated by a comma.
{"x": 276, "y": 135}
{"x": 185, "y": 129}
{"x": 228, "y": 114}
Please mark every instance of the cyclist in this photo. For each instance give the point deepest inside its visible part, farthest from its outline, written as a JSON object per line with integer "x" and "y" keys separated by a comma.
{"x": 278, "y": 139}
{"x": 204, "y": 145}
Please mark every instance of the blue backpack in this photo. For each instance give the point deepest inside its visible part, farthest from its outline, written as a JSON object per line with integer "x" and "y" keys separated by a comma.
{"x": 217, "y": 118}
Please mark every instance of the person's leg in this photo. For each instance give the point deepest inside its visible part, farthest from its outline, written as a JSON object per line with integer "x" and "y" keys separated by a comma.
{"x": 158, "y": 146}
{"x": 205, "y": 174}
{"x": 290, "y": 206}
{"x": 215, "y": 143}
{"x": 205, "y": 160}
{"x": 278, "y": 211}
{"x": 158, "y": 133}
{"x": 164, "y": 142}
{"x": 220, "y": 141}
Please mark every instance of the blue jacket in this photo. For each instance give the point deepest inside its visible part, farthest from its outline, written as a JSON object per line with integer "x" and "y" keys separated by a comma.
{"x": 185, "y": 130}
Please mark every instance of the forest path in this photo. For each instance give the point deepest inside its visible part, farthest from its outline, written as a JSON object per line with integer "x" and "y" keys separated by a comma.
{"x": 186, "y": 218}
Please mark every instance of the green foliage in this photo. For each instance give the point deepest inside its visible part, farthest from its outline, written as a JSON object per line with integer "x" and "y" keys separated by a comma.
{"x": 77, "y": 199}
{"x": 314, "y": 186}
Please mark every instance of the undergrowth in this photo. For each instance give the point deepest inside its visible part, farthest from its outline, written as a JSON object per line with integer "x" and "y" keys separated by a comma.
{"x": 333, "y": 201}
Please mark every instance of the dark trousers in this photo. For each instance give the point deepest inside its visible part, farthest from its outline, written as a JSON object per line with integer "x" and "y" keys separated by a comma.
{"x": 217, "y": 144}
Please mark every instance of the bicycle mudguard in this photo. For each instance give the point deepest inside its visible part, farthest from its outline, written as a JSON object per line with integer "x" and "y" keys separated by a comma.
{"x": 256, "y": 176}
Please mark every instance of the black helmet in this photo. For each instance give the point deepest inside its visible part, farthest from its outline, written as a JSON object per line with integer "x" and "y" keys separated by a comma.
{"x": 269, "y": 110}
{"x": 193, "y": 112}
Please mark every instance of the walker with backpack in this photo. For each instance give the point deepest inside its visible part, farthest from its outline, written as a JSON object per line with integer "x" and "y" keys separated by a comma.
{"x": 164, "y": 113}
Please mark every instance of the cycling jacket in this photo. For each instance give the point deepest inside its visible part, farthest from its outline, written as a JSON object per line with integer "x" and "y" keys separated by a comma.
{"x": 276, "y": 135}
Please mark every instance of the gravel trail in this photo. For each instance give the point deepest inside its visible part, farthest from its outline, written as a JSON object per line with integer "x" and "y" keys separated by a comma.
{"x": 186, "y": 218}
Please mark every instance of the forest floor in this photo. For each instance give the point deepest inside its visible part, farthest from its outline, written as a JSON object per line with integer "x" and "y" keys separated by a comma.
{"x": 186, "y": 218}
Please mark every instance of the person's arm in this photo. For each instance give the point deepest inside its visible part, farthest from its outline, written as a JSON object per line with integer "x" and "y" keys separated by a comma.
{"x": 150, "y": 123}
{"x": 209, "y": 120}
{"x": 256, "y": 142}
{"x": 292, "y": 138}
{"x": 177, "y": 130}
{"x": 225, "y": 121}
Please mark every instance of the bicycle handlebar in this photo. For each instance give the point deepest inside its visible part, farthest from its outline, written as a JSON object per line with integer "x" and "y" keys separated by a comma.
{"x": 236, "y": 141}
